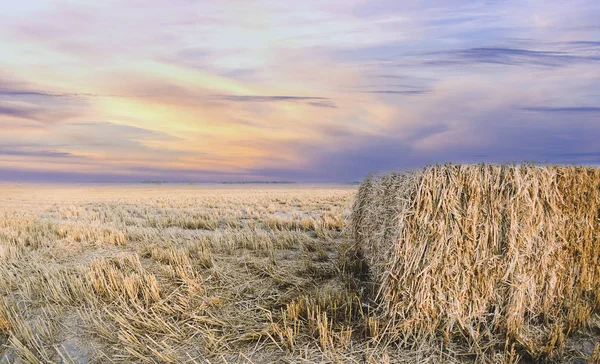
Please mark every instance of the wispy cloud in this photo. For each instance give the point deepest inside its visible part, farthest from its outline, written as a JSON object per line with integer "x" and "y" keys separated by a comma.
{"x": 16, "y": 112}
{"x": 398, "y": 92}
{"x": 252, "y": 98}
{"x": 24, "y": 93}
{"x": 38, "y": 113}
{"x": 510, "y": 57}
{"x": 34, "y": 153}
{"x": 323, "y": 103}
{"x": 311, "y": 100}
{"x": 564, "y": 110}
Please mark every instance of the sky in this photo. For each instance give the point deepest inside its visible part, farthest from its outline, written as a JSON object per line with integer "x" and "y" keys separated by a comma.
{"x": 190, "y": 90}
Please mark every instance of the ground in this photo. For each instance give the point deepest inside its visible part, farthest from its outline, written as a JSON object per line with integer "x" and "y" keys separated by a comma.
{"x": 188, "y": 273}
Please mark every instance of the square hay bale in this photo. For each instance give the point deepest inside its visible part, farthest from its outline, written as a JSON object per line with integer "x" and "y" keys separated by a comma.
{"x": 484, "y": 255}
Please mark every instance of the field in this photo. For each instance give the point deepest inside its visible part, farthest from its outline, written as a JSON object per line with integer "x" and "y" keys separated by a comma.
{"x": 191, "y": 273}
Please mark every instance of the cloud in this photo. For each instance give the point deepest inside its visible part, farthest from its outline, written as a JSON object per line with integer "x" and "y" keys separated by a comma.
{"x": 324, "y": 103}
{"x": 346, "y": 163}
{"x": 120, "y": 130}
{"x": 18, "y": 100}
{"x": 39, "y": 113}
{"x": 110, "y": 175}
{"x": 349, "y": 161}
{"x": 25, "y": 92}
{"x": 564, "y": 110}
{"x": 96, "y": 137}
{"x": 584, "y": 43}
{"x": 16, "y": 112}
{"x": 319, "y": 102}
{"x": 49, "y": 175}
{"x": 510, "y": 57}
{"x": 263, "y": 98}
{"x": 33, "y": 153}
{"x": 254, "y": 98}
{"x": 398, "y": 92}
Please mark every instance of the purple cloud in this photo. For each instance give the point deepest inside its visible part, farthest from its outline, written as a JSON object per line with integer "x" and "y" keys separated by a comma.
{"x": 563, "y": 110}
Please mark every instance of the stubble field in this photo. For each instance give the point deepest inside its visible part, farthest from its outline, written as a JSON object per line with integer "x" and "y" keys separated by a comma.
{"x": 186, "y": 273}
{"x": 175, "y": 273}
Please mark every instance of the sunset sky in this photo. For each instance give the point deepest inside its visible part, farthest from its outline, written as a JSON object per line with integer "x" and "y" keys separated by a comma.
{"x": 189, "y": 90}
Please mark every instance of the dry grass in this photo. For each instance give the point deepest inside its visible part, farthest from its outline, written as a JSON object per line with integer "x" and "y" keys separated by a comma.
{"x": 501, "y": 261}
{"x": 190, "y": 274}
{"x": 175, "y": 274}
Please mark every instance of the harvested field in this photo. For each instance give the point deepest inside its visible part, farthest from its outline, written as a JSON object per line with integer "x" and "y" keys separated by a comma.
{"x": 499, "y": 260}
{"x": 175, "y": 274}
{"x": 199, "y": 274}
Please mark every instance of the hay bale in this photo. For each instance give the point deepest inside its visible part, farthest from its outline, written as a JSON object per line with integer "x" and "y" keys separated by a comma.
{"x": 485, "y": 255}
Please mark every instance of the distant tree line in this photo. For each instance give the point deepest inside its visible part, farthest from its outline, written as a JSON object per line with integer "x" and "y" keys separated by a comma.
{"x": 258, "y": 182}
